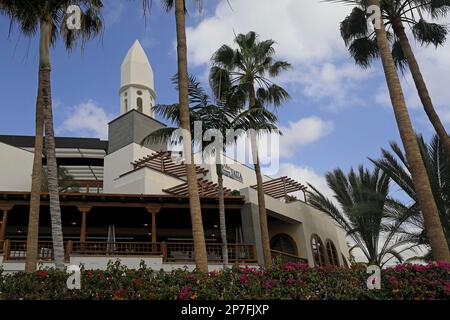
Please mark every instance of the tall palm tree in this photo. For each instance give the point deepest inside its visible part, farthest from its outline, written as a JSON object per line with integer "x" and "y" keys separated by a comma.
{"x": 418, "y": 171}
{"x": 437, "y": 163}
{"x": 396, "y": 14}
{"x": 198, "y": 233}
{"x": 366, "y": 213}
{"x": 48, "y": 18}
{"x": 249, "y": 69}
{"x": 225, "y": 118}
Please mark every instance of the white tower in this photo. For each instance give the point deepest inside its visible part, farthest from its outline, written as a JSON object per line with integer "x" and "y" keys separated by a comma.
{"x": 137, "y": 88}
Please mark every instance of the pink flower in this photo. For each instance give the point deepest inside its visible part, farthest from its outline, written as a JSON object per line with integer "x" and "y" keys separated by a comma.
{"x": 244, "y": 279}
{"x": 185, "y": 293}
{"x": 189, "y": 277}
{"x": 443, "y": 264}
{"x": 393, "y": 281}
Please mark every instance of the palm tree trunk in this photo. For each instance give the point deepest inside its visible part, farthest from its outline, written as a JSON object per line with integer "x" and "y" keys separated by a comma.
{"x": 52, "y": 167}
{"x": 223, "y": 226}
{"x": 35, "y": 197}
{"x": 198, "y": 233}
{"x": 418, "y": 173}
{"x": 421, "y": 86}
{"x": 265, "y": 239}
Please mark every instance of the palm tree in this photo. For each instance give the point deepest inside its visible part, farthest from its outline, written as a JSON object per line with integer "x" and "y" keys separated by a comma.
{"x": 65, "y": 181}
{"x": 437, "y": 164}
{"x": 362, "y": 45}
{"x": 370, "y": 217}
{"x": 223, "y": 118}
{"x": 48, "y": 17}
{"x": 248, "y": 69}
{"x": 418, "y": 171}
{"x": 198, "y": 234}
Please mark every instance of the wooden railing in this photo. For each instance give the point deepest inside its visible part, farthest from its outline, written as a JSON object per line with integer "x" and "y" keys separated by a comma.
{"x": 83, "y": 186}
{"x": 170, "y": 251}
{"x": 17, "y": 250}
{"x": 175, "y": 252}
{"x": 286, "y": 257}
{"x": 113, "y": 248}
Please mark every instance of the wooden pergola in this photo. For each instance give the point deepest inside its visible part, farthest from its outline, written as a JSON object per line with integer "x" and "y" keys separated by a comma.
{"x": 282, "y": 187}
{"x": 162, "y": 162}
{"x": 205, "y": 188}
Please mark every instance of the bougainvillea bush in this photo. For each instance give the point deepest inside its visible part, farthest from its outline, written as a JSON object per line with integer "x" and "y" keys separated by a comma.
{"x": 282, "y": 282}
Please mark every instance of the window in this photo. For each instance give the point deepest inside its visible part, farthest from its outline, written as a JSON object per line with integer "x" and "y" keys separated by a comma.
{"x": 139, "y": 93}
{"x": 318, "y": 251}
{"x": 139, "y": 104}
{"x": 332, "y": 256}
{"x": 284, "y": 243}
{"x": 126, "y": 105}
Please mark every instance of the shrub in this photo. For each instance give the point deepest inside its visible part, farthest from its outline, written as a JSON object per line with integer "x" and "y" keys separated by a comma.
{"x": 281, "y": 282}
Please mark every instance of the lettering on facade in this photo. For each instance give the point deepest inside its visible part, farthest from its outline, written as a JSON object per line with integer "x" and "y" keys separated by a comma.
{"x": 232, "y": 174}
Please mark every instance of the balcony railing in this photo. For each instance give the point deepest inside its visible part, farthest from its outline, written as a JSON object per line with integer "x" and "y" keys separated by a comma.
{"x": 171, "y": 252}
{"x": 286, "y": 257}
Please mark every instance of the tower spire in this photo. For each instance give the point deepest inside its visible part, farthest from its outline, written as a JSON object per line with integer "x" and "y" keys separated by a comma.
{"x": 137, "y": 88}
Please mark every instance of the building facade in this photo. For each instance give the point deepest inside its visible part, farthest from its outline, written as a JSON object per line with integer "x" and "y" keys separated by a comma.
{"x": 122, "y": 199}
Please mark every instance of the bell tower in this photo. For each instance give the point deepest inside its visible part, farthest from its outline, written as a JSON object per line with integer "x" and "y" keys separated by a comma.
{"x": 137, "y": 87}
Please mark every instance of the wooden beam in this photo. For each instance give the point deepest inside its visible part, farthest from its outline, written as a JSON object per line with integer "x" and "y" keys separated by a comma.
{"x": 4, "y": 225}
{"x": 84, "y": 211}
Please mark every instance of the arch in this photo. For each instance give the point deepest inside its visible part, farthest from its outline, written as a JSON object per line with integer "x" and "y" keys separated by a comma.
{"x": 284, "y": 243}
{"x": 318, "y": 251}
{"x": 140, "y": 104}
{"x": 332, "y": 255}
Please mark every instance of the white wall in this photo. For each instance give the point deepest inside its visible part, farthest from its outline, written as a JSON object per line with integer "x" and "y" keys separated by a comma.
{"x": 301, "y": 222}
{"x": 119, "y": 163}
{"x": 15, "y": 168}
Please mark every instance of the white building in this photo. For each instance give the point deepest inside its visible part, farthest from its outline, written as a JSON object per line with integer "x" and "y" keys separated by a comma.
{"x": 130, "y": 201}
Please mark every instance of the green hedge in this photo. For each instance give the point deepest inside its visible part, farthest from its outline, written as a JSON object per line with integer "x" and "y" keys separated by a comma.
{"x": 288, "y": 281}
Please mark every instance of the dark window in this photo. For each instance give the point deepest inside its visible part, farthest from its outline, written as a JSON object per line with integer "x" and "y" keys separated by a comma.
{"x": 284, "y": 243}
{"x": 332, "y": 256}
{"x": 318, "y": 251}
{"x": 139, "y": 104}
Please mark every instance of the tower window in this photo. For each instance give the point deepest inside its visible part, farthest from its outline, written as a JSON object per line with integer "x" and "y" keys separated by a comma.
{"x": 126, "y": 105}
{"x": 139, "y": 104}
{"x": 139, "y": 93}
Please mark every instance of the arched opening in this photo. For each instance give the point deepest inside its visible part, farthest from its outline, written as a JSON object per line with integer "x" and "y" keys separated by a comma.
{"x": 332, "y": 255}
{"x": 318, "y": 251}
{"x": 139, "y": 104}
{"x": 126, "y": 105}
{"x": 284, "y": 243}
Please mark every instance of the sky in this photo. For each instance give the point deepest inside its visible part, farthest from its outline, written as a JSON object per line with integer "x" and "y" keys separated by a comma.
{"x": 338, "y": 116}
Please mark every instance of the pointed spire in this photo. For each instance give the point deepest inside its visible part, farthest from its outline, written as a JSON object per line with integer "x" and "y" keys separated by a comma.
{"x": 136, "y": 69}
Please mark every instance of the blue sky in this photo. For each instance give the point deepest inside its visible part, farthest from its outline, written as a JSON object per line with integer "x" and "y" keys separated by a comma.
{"x": 338, "y": 116}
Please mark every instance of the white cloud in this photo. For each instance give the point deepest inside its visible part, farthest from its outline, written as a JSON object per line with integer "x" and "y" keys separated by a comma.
{"x": 301, "y": 133}
{"x": 306, "y": 175}
{"x": 306, "y": 34}
{"x": 305, "y": 30}
{"x": 86, "y": 119}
